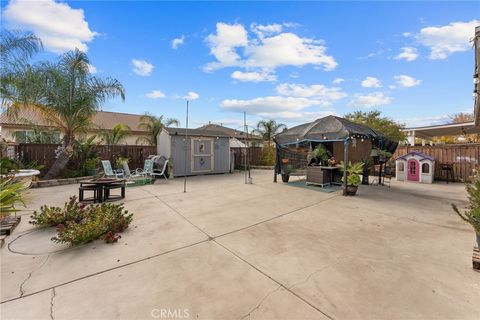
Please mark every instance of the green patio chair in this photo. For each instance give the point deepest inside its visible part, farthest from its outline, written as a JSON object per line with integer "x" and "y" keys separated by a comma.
{"x": 109, "y": 172}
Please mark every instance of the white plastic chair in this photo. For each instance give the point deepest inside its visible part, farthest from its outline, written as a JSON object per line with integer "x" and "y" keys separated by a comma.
{"x": 163, "y": 172}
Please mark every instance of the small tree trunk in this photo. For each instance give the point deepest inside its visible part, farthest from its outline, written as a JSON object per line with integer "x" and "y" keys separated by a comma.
{"x": 61, "y": 162}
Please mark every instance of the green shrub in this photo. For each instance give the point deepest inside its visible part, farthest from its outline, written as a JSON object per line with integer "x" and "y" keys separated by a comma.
{"x": 77, "y": 224}
{"x": 267, "y": 156}
{"x": 472, "y": 214}
{"x": 10, "y": 196}
{"x": 53, "y": 216}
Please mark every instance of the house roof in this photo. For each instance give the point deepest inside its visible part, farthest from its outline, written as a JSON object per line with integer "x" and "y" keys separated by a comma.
{"x": 232, "y": 133}
{"x": 102, "y": 119}
{"x": 416, "y": 153}
{"x": 196, "y": 132}
{"x": 452, "y": 129}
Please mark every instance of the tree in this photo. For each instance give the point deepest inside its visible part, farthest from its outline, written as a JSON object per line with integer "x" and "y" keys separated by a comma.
{"x": 267, "y": 129}
{"x": 67, "y": 96}
{"x": 153, "y": 125}
{"x": 373, "y": 119}
{"x": 116, "y": 135}
{"x": 462, "y": 117}
{"x": 16, "y": 48}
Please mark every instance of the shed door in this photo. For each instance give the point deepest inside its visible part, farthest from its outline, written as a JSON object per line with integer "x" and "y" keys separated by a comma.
{"x": 202, "y": 156}
{"x": 413, "y": 170}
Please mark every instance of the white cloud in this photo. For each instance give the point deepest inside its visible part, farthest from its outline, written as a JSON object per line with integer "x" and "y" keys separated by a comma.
{"x": 262, "y": 76}
{"x": 370, "y": 100}
{"x": 266, "y": 30}
{"x": 269, "y": 104}
{"x": 155, "y": 94}
{"x": 294, "y": 75}
{"x": 142, "y": 67}
{"x": 223, "y": 45}
{"x": 371, "y": 82}
{"x": 177, "y": 42}
{"x": 445, "y": 40}
{"x": 323, "y": 95}
{"x": 92, "y": 69}
{"x": 338, "y": 80}
{"x": 60, "y": 27}
{"x": 406, "y": 81}
{"x": 407, "y": 54}
{"x": 288, "y": 49}
{"x": 266, "y": 52}
{"x": 191, "y": 96}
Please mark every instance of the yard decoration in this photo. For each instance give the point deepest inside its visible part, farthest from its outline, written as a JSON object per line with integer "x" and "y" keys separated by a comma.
{"x": 353, "y": 176}
{"x": 286, "y": 173}
{"x": 472, "y": 214}
{"x": 78, "y": 224}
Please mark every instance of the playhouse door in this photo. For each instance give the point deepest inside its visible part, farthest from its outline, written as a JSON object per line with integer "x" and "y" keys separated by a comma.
{"x": 413, "y": 172}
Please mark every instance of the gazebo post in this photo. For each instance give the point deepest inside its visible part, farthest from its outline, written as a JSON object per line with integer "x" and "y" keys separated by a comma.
{"x": 276, "y": 164}
{"x": 345, "y": 165}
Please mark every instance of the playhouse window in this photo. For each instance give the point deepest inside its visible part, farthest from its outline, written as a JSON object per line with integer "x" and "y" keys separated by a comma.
{"x": 400, "y": 167}
{"x": 425, "y": 168}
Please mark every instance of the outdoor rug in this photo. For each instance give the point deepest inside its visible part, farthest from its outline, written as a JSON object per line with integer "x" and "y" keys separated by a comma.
{"x": 302, "y": 184}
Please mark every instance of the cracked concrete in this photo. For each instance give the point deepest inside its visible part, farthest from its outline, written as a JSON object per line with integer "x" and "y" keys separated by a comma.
{"x": 226, "y": 250}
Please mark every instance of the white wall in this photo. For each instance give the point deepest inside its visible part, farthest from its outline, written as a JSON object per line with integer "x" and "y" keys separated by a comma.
{"x": 164, "y": 144}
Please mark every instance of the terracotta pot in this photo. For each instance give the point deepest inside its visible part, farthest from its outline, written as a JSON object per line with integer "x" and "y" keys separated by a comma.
{"x": 351, "y": 190}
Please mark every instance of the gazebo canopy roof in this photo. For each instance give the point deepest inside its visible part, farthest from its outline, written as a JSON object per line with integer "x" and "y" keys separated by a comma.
{"x": 326, "y": 129}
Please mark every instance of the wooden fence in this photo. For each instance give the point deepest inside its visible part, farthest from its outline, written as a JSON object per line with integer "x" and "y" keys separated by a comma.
{"x": 44, "y": 154}
{"x": 253, "y": 153}
{"x": 464, "y": 157}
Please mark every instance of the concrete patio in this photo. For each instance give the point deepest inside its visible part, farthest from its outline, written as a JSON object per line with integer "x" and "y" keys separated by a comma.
{"x": 226, "y": 250}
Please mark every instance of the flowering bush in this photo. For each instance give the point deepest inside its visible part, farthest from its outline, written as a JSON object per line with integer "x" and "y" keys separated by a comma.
{"x": 77, "y": 224}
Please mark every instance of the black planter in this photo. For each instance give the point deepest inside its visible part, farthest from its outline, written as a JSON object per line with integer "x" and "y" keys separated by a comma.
{"x": 285, "y": 177}
{"x": 92, "y": 172}
{"x": 351, "y": 190}
{"x": 365, "y": 176}
{"x": 478, "y": 240}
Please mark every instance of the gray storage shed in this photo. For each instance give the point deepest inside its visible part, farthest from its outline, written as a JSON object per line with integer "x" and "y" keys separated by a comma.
{"x": 211, "y": 151}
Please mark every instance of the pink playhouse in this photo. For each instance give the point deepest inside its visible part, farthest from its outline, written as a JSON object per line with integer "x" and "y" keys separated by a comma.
{"x": 415, "y": 166}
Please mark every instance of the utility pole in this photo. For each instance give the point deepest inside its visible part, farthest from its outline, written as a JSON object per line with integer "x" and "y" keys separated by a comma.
{"x": 186, "y": 152}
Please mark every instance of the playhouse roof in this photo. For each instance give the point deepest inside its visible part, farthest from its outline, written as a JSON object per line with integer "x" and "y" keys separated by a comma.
{"x": 416, "y": 153}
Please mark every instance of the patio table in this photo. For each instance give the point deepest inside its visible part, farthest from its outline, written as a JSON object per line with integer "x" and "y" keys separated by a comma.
{"x": 103, "y": 186}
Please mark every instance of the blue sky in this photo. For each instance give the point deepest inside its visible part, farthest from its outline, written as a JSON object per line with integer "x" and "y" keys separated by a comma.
{"x": 288, "y": 61}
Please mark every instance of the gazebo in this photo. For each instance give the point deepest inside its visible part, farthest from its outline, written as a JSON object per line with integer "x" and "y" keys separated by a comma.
{"x": 346, "y": 140}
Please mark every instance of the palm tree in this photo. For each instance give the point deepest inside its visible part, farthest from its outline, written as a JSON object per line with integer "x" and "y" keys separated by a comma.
{"x": 267, "y": 129}
{"x": 67, "y": 96}
{"x": 16, "y": 48}
{"x": 153, "y": 125}
{"x": 116, "y": 134}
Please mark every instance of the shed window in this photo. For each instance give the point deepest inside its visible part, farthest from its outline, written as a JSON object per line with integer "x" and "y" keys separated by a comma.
{"x": 400, "y": 167}
{"x": 425, "y": 168}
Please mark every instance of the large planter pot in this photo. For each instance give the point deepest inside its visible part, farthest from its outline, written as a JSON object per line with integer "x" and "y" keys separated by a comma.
{"x": 92, "y": 172}
{"x": 285, "y": 177}
{"x": 352, "y": 190}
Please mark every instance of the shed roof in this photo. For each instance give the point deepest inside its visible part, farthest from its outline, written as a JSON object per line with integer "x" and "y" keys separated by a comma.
{"x": 196, "y": 132}
{"x": 232, "y": 133}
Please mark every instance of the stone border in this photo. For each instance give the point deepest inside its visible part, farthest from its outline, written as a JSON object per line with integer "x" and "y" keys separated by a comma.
{"x": 58, "y": 182}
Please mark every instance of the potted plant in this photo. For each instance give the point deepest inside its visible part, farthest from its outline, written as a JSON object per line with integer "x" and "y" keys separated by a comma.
{"x": 472, "y": 214}
{"x": 383, "y": 155}
{"x": 332, "y": 162}
{"x": 367, "y": 162}
{"x": 90, "y": 166}
{"x": 353, "y": 176}
{"x": 321, "y": 154}
{"x": 119, "y": 163}
{"x": 286, "y": 173}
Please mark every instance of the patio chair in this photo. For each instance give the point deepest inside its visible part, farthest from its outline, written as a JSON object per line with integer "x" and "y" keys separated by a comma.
{"x": 147, "y": 169}
{"x": 161, "y": 173}
{"x": 130, "y": 174}
{"x": 109, "y": 172}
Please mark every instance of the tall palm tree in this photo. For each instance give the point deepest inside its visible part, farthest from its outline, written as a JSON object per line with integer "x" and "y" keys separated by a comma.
{"x": 114, "y": 136}
{"x": 153, "y": 125}
{"x": 16, "y": 48}
{"x": 67, "y": 96}
{"x": 268, "y": 128}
